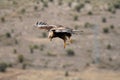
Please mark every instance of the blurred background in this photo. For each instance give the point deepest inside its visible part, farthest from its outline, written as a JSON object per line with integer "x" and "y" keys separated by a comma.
{"x": 24, "y": 47}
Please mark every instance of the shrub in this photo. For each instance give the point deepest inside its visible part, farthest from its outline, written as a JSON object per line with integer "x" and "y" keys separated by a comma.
{"x": 76, "y": 17}
{"x": 2, "y": 19}
{"x": 87, "y": 25}
{"x": 21, "y": 58}
{"x": 23, "y": 10}
{"x": 70, "y": 52}
{"x": 105, "y": 30}
{"x": 51, "y": 0}
{"x": 109, "y": 46}
{"x": 66, "y": 73}
{"x": 112, "y": 26}
{"x": 8, "y": 35}
{"x": 15, "y": 3}
{"x": 112, "y": 10}
{"x": 14, "y": 51}
{"x": 45, "y": 4}
{"x": 87, "y": 1}
{"x": 35, "y": 46}
{"x": 70, "y": 4}
{"x": 79, "y": 7}
{"x": 60, "y": 2}
{"x": 35, "y": 8}
{"x": 90, "y": 13}
{"x": 3, "y": 67}
{"x": 104, "y": 20}
{"x": 117, "y": 5}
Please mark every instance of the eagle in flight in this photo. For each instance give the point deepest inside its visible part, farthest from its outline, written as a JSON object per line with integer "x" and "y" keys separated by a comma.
{"x": 59, "y": 31}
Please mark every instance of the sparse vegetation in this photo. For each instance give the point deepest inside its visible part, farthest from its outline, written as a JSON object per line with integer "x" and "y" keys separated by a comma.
{"x": 70, "y": 52}
{"x": 51, "y": 0}
{"x": 70, "y": 4}
{"x": 60, "y": 2}
{"x": 87, "y": 25}
{"x": 35, "y": 8}
{"x": 23, "y": 11}
{"x": 76, "y": 17}
{"x": 2, "y": 19}
{"x": 112, "y": 26}
{"x": 87, "y": 1}
{"x": 79, "y": 7}
{"x": 90, "y": 13}
{"x": 109, "y": 46}
{"x": 66, "y": 73}
{"x": 3, "y": 66}
{"x": 104, "y": 20}
{"x": 8, "y": 35}
{"x": 106, "y": 30}
{"x": 21, "y": 58}
{"x": 112, "y": 10}
{"x": 45, "y": 4}
{"x": 14, "y": 51}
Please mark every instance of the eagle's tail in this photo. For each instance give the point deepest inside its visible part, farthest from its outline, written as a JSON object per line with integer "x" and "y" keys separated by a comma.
{"x": 77, "y": 32}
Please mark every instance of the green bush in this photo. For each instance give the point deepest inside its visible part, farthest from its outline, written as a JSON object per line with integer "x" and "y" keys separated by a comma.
{"x": 79, "y": 7}
{"x": 60, "y": 2}
{"x": 3, "y": 67}
{"x": 90, "y": 13}
{"x": 45, "y": 4}
{"x": 112, "y": 10}
{"x": 8, "y": 35}
{"x": 66, "y": 73}
{"x": 109, "y": 46}
{"x": 87, "y": 25}
{"x": 23, "y": 10}
{"x": 35, "y": 8}
{"x": 70, "y": 52}
{"x": 2, "y": 19}
{"x": 106, "y": 30}
{"x": 21, "y": 58}
{"x": 104, "y": 20}
{"x": 14, "y": 51}
{"x": 76, "y": 17}
{"x": 112, "y": 26}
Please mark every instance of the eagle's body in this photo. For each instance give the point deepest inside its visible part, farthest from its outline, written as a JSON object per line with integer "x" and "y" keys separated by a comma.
{"x": 59, "y": 31}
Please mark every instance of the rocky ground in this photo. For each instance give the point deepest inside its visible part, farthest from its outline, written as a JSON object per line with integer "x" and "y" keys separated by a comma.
{"x": 23, "y": 46}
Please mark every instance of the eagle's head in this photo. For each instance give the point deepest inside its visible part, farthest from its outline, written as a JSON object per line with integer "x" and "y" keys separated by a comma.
{"x": 50, "y": 35}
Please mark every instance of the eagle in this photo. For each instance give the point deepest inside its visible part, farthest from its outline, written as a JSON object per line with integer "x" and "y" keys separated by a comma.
{"x": 57, "y": 31}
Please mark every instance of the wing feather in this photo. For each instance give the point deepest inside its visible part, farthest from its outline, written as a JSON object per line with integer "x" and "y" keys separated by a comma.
{"x": 45, "y": 26}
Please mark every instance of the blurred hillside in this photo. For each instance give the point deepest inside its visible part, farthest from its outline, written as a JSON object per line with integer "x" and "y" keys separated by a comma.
{"x": 23, "y": 46}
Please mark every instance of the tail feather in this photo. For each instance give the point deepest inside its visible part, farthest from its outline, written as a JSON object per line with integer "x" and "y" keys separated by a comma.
{"x": 77, "y": 32}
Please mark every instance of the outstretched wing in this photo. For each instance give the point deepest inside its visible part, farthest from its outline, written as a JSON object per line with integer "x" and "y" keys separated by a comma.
{"x": 45, "y": 26}
{"x": 63, "y": 30}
